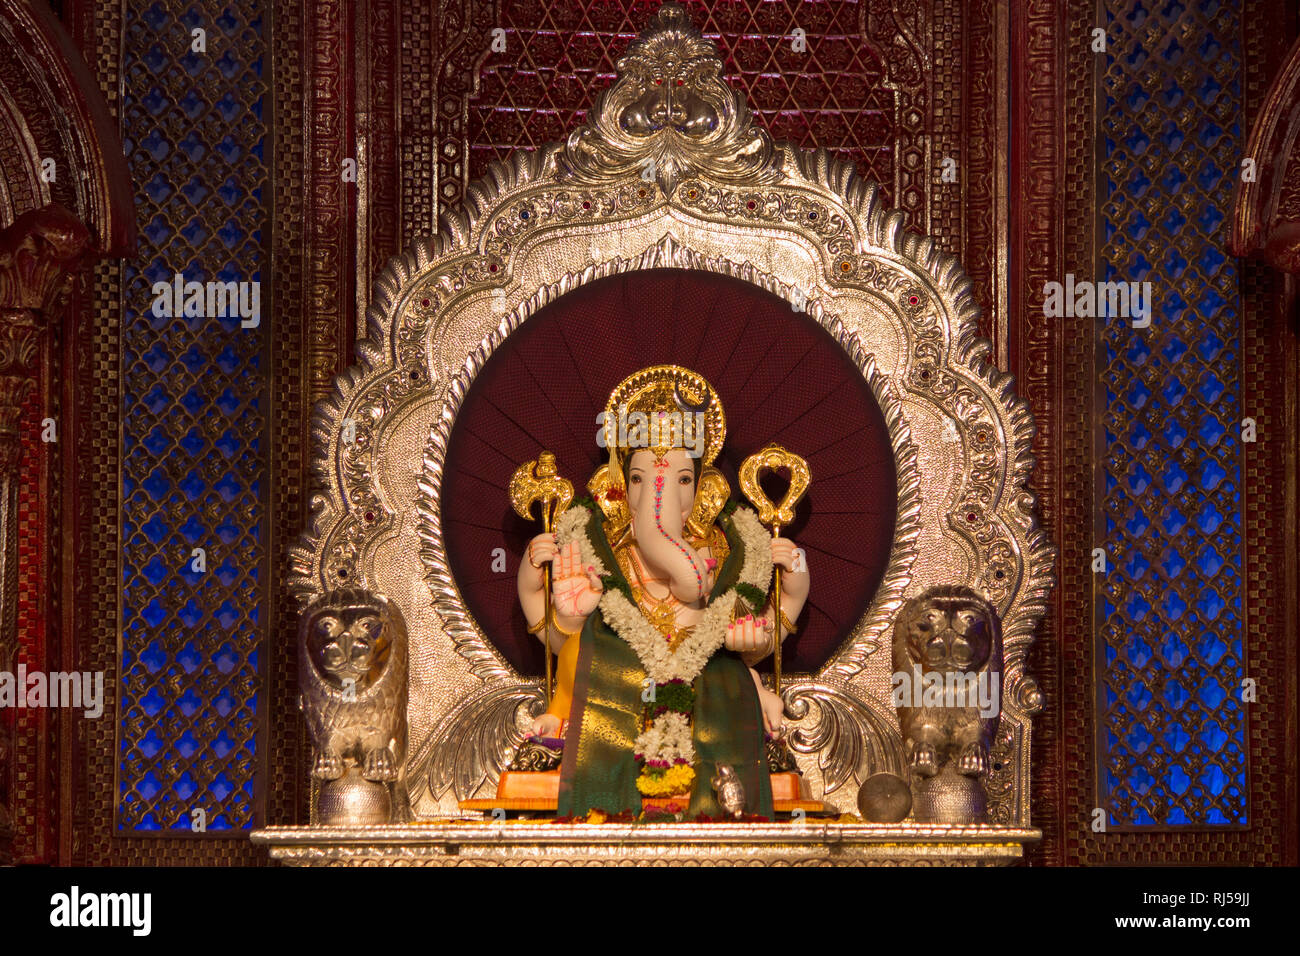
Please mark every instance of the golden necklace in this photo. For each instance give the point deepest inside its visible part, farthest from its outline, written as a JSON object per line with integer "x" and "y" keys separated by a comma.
{"x": 660, "y": 612}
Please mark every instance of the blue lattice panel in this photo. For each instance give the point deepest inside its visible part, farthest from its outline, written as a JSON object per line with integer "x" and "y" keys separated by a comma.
{"x": 194, "y": 421}
{"x": 1173, "y": 723}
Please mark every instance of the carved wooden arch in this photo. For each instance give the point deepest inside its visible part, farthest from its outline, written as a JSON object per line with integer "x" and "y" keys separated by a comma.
{"x": 1266, "y": 217}
{"x": 51, "y": 109}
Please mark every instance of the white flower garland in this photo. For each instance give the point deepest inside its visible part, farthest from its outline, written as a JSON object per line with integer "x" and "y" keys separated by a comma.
{"x": 572, "y": 526}
{"x": 661, "y": 663}
{"x": 668, "y": 737}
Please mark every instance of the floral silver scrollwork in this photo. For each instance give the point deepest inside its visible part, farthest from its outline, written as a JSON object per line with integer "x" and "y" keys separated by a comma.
{"x": 853, "y": 737}
{"x": 475, "y": 742}
{"x": 669, "y": 115}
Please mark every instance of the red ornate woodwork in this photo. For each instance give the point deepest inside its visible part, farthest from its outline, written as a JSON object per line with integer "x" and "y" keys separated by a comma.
{"x": 414, "y": 93}
{"x": 1267, "y": 216}
{"x": 65, "y": 197}
{"x": 51, "y": 110}
{"x": 1038, "y": 63}
{"x": 900, "y": 86}
{"x": 39, "y": 253}
{"x": 1268, "y": 373}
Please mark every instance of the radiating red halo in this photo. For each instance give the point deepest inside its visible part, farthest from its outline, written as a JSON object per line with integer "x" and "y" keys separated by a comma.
{"x": 780, "y": 376}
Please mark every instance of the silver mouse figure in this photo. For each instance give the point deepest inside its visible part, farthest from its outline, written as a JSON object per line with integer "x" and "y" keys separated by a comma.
{"x": 730, "y": 791}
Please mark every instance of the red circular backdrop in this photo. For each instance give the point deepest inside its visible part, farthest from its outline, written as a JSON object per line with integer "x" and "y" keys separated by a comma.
{"x": 780, "y": 376}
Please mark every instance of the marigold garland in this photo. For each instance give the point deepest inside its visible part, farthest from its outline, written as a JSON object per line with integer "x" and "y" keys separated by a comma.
{"x": 676, "y": 781}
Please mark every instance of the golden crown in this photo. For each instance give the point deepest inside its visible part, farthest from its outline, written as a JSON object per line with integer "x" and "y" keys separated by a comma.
{"x": 665, "y": 407}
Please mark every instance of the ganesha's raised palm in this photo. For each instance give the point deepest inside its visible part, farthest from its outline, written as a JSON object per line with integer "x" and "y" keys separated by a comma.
{"x": 575, "y": 586}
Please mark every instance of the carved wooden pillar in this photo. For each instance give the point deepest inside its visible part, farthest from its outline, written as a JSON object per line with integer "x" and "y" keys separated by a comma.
{"x": 39, "y": 255}
{"x": 1266, "y": 226}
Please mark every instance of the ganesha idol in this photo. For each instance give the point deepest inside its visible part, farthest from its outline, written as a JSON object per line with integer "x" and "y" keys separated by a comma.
{"x": 662, "y": 603}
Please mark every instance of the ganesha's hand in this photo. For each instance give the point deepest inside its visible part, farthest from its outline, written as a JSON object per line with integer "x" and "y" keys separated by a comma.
{"x": 791, "y": 559}
{"x": 547, "y": 725}
{"x": 748, "y": 634}
{"x": 771, "y": 705}
{"x": 576, "y": 587}
{"x": 773, "y": 712}
{"x": 541, "y": 549}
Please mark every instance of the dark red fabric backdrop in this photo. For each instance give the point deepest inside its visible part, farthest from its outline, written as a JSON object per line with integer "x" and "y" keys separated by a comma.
{"x": 781, "y": 377}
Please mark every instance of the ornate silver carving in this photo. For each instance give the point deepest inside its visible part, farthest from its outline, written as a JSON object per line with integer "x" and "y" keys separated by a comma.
{"x": 730, "y": 791}
{"x": 533, "y": 756}
{"x": 353, "y": 692}
{"x": 810, "y": 843}
{"x": 853, "y": 737}
{"x": 800, "y": 223}
{"x": 473, "y": 744}
{"x": 948, "y": 631}
{"x": 942, "y": 634}
{"x": 669, "y": 116}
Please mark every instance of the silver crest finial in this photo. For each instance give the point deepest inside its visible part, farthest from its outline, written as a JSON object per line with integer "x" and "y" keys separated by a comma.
{"x": 670, "y": 116}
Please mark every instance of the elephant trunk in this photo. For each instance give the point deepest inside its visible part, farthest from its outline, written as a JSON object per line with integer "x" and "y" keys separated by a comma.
{"x": 662, "y": 541}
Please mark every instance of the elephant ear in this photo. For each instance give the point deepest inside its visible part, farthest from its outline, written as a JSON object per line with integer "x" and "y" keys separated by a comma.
{"x": 606, "y": 487}
{"x": 710, "y": 498}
